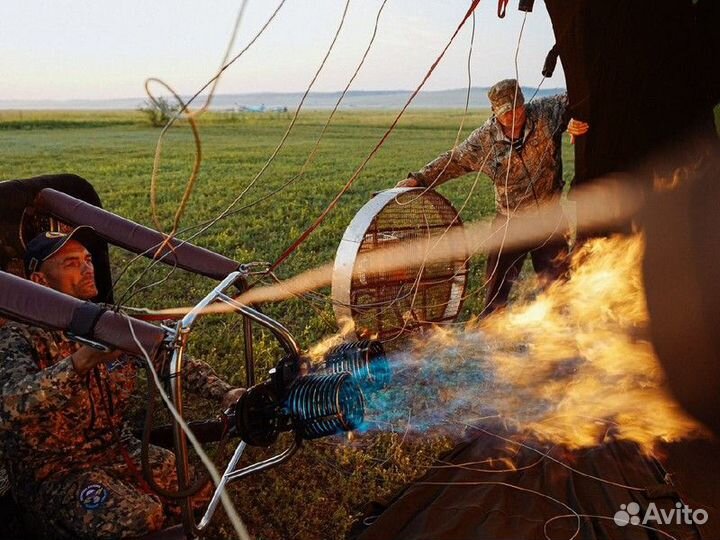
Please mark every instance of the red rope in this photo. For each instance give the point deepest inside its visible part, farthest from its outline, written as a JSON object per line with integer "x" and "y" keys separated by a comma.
{"x": 502, "y": 8}
{"x": 374, "y": 151}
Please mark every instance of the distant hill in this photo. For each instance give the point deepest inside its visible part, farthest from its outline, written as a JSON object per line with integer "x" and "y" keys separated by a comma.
{"x": 359, "y": 99}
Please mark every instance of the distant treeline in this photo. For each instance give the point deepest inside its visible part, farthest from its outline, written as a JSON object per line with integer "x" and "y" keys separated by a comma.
{"x": 360, "y": 99}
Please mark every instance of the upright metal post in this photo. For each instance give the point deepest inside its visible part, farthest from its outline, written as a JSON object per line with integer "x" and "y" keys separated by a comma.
{"x": 248, "y": 343}
{"x": 176, "y": 376}
{"x": 181, "y": 454}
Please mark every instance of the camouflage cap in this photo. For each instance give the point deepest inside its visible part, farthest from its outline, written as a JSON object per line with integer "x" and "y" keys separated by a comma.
{"x": 503, "y": 94}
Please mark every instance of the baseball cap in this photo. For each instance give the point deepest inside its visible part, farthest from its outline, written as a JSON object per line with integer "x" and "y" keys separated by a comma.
{"x": 48, "y": 243}
{"x": 503, "y": 95}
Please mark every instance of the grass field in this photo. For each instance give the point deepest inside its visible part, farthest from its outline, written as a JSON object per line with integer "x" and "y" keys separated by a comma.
{"x": 322, "y": 491}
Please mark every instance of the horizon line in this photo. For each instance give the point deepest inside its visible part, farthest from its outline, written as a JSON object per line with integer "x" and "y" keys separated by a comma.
{"x": 289, "y": 92}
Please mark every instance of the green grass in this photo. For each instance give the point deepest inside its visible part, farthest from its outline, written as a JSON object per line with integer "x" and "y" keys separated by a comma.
{"x": 323, "y": 489}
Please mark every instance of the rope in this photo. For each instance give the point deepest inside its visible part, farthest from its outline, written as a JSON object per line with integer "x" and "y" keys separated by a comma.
{"x": 198, "y": 153}
{"x": 232, "y": 514}
{"x": 502, "y": 8}
{"x": 183, "y": 110}
{"x": 269, "y": 160}
{"x": 374, "y": 151}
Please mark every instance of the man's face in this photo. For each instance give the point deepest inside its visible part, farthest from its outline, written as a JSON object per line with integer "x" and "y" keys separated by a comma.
{"x": 69, "y": 271}
{"x": 514, "y": 118}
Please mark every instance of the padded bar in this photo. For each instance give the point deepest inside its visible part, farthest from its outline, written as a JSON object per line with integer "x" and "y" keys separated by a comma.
{"x": 132, "y": 236}
{"x": 25, "y": 301}
{"x": 84, "y": 319}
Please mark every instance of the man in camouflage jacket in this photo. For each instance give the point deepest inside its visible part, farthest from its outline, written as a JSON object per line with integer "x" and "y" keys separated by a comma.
{"x": 519, "y": 148}
{"x": 74, "y": 464}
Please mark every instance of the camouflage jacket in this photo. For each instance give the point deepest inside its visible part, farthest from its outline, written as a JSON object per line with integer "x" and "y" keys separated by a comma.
{"x": 535, "y": 166}
{"x": 53, "y": 420}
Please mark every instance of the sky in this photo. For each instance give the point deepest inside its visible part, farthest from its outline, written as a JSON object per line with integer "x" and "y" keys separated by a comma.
{"x": 106, "y": 49}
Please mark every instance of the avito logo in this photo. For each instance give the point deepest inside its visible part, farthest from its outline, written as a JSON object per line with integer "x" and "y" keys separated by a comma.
{"x": 682, "y": 514}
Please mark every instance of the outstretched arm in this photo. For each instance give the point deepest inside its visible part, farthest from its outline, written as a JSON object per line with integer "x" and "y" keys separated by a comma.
{"x": 468, "y": 156}
{"x": 201, "y": 379}
{"x": 558, "y": 110}
{"x": 26, "y": 390}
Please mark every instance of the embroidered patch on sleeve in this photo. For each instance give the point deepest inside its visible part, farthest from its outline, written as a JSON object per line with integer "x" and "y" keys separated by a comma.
{"x": 93, "y": 496}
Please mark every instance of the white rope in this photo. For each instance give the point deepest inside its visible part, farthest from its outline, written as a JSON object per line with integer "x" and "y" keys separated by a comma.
{"x": 209, "y": 465}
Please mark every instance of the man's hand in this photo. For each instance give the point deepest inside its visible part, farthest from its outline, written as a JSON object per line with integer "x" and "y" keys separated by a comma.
{"x": 86, "y": 358}
{"x": 230, "y": 397}
{"x": 577, "y": 128}
{"x": 408, "y": 182}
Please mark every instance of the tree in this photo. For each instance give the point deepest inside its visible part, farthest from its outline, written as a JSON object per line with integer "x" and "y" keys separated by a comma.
{"x": 158, "y": 111}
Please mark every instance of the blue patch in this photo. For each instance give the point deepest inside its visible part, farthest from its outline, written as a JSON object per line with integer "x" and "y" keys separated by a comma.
{"x": 124, "y": 360}
{"x": 93, "y": 496}
{"x": 118, "y": 363}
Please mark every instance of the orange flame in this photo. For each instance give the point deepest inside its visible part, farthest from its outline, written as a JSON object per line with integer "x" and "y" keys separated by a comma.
{"x": 573, "y": 366}
{"x": 316, "y": 353}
